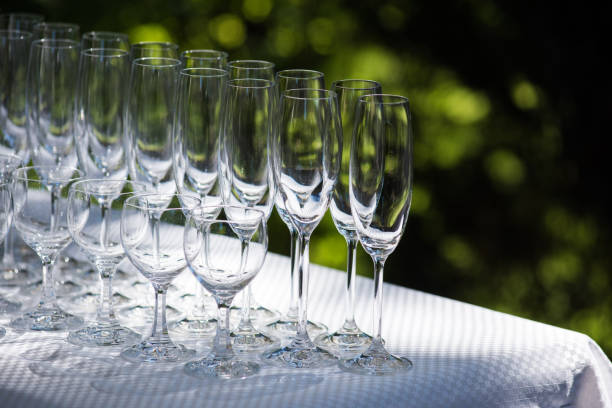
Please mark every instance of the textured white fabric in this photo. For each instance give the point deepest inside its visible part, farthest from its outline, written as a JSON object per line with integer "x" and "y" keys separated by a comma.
{"x": 463, "y": 355}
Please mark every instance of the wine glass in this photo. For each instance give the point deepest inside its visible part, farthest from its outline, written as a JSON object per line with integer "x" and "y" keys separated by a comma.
{"x": 6, "y": 218}
{"x": 255, "y": 69}
{"x": 380, "y": 189}
{"x": 348, "y": 339}
{"x": 95, "y": 228}
{"x": 156, "y": 49}
{"x": 152, "y": 237}
{"x": 204, "y": 59}
{"x": 100, "y": 103}
{"x": 105, "y": 39}
{"x": 14, "y": 51}
{"x": 20, "y": 21}
{"x": 149, "y": 119}
{"x": 307, "y": 152}
{"x": 286, "y": 325}
{"x": 249, "y": 114}
{"x": 40, "y": 215}
{"x": 225, "y": 255}
{"x": 195, "y": 158}
{"x": 57, "y": 31}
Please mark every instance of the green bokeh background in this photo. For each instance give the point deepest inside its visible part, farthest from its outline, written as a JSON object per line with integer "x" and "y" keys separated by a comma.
{"x": 509, "y": 101}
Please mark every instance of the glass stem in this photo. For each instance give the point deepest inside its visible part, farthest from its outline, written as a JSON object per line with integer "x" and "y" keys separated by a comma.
{"x": 159, "y": 332}
{"x": 246, "y": 294}
{"x": 48, "y": 298}
{"x": 351, "y": 269}
{"x": 222, "y": 346}
{"x": 292, "y": 313}
{"x": 106, "y": 314}
{"x": 379, "y": 265}
{"x": 303, "y": 272}
{"x": 6, "y": 249}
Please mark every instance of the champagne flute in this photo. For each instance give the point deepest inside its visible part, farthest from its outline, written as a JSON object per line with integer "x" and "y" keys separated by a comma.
{"x": 105, "y": 39}
{"x": 204, "y": 59}
{"x": 57, "y": 31}
{"x": 195, "y": 159}
{"x": 348, "y": 339}
{"x": 307, "y": 151}
{"x": 6, "y": 218}
{"x": 286, "y": 325}
{"x": 156, "y": 49}
{"x": 14, "y": 51}
{"x": 380, "y": 189}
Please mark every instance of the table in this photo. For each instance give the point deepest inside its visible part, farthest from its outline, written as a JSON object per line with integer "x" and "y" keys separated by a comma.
{"x": 463, "y": 355}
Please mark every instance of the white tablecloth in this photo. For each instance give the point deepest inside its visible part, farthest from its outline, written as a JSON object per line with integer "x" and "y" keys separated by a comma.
{"x": 463, "y": 355}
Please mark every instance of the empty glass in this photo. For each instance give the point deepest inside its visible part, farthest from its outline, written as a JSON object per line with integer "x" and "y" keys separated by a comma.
{"x": 196, "y": 159}
{"x": 100, "y": 103}
{"x": 152, "y": 237}
{"x": 157, "y": 49}
{"x": 57, "y": 31}
{"x": 204, "y": 59}
{"x": 20, "y": 21}
{"x": 40, "y": 215}
{"x": 149, "y": 120}
{"x": 254, "y": 69}
{"x": 105, "y": 39}
{"x": 95, "y": 228}
{"x": 380, "y": 189}
{"x": 286, "y": 325}
{"x": 348, "y": 338}
{"x": 225, "y": 256}
{"x": 14, "y": 52}
{"x": 249, "y": 114}
{"x": 307, "y": 151}
{"x": 6, "y": 218}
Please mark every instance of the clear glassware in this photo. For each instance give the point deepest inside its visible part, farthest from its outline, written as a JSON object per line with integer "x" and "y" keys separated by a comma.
{"x": 14, "y": 51}
{"x": 6, "y": 219}
{"x": 286, "y": 325}
{"x": 95, "y": 228}
{"x": 149, "y": 122}
{"x": 348, "y": 339}
{"x": 156, "y": 49}
{"x": 225, "y": 255}
{"x": 100, "y": 103}
{"x": 57, "y": 31}
{"x": 105, "y": 39}
{"x": 249, "y": 114}
{"x": 20, "y": 21}
{"x": 152, "y": 237}
{"x": 307, "y": 152}
{"x": 380, "y": 189}
{"x": 253, "y": 69}
{"x": 196, "y": 159}
{"x": 40, "y": 216}
{"x": 204, "y": 59}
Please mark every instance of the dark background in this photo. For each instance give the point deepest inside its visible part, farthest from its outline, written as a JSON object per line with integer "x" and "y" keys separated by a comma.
{"x": 510, "y": 100}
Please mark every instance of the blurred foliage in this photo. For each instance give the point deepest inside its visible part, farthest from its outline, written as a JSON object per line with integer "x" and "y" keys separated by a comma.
{"x": 509, "y": 210}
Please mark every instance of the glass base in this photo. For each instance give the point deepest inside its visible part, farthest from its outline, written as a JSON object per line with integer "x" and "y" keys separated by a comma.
{"x": 376, "y": 360}
{"x": 46, "y": 318}
{"x": 300, "y": 354}
{"x": 195, "y": 326}
{"x": 221, "y": 367}
{"x": 149, "y": 351}
{"x": 246, "y": 338}
{"x": 344, "y": 341}
{"x": 20, "y": 274}
{"x": 287, "y": 327}
{"x": 103, "y": 335}
{"x": 143, "y": 315}
{"x": 258, "y": 314}
{"x": 7, "y": 306}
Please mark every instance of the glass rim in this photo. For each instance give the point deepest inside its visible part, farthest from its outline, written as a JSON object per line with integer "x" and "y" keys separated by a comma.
{"x": 59, "y": 43}
{"x": 206, "y": 72}
{"x": 57, "y": 24}
{"x": 93, "y": 34}
{"x": 27, "y": 169}
{"x": 263, "y": 64}
{"x": 144, "y": 44}
{"x": 220, "y": 54}
{"x": 261, "y": 214}
{"x": 264, "y": 83}
{"x": 24, "y": 14}
{"x": 387, "y": 99}
{"x": 16, "y": 34}
{"x": 328, "y": 94}
{"x": 141, "y": 62}
{"x": 102, "y": 52}
{"x": 130, "y": 200}
{"x": 339, "y": 84}
{"x": 284, "y": 73}
{"x": 86, "y": 181}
